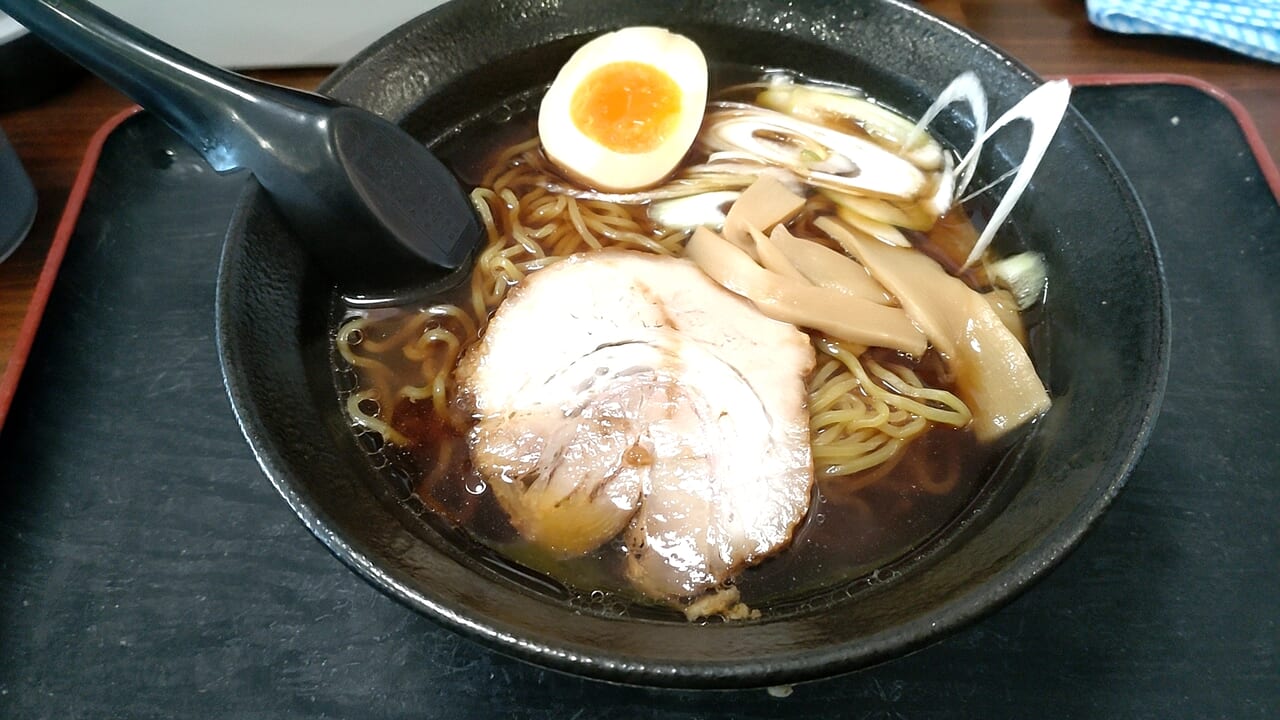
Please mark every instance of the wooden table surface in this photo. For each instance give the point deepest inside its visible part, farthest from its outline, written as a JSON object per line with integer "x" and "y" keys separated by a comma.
{"x": 1053, "y": 37}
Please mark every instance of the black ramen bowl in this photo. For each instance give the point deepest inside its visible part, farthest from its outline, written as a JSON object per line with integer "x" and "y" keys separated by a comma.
{"x": 1101, "y": 348}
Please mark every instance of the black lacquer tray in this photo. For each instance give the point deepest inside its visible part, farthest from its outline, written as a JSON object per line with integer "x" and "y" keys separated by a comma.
{"x": 148, "y": 569}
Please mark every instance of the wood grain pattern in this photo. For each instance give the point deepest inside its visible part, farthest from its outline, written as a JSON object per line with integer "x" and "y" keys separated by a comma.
{"x": 1053, "y": 37}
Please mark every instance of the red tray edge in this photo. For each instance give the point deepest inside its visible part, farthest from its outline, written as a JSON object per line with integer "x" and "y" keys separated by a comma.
{"x": 53, "y": 260}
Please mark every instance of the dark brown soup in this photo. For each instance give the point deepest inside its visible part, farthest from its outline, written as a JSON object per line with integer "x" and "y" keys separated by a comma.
{"x": 859, "y": 528}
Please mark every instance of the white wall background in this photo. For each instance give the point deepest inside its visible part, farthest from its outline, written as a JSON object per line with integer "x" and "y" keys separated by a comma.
{"x": 267, "y": 33}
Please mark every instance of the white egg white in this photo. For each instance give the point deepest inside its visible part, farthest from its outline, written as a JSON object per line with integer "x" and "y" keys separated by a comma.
{"x": 601, "y": 167}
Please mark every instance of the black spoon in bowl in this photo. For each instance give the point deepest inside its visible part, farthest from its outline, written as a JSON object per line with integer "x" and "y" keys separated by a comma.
{"x": 373, "y": 205}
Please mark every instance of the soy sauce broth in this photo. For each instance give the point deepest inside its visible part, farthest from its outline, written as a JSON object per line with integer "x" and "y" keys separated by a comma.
{"x": 859, "y": 531}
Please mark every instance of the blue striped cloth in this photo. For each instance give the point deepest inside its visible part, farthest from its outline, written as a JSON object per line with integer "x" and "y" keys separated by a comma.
{"x": 1251, "y": 27}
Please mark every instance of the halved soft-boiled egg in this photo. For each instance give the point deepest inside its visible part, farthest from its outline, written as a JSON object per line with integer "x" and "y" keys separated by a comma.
{"x": 626, "y": 108}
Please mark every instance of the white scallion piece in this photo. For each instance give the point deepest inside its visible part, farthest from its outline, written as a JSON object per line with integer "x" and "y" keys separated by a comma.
{"x": 965, "y": 88}
{"x": 1043, "y": 108}
{"x": 689, "y": 212}
{"x": 1023, "y": 275}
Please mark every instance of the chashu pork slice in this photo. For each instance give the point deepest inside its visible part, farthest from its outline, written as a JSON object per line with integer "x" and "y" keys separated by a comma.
{"x": 625, "y": 393}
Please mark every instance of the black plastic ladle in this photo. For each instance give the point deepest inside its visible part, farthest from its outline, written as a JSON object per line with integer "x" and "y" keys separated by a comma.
{"x": 371, "y": 203}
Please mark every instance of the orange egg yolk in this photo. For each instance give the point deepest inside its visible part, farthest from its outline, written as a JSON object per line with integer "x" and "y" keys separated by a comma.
{"x": 628, "y": 107}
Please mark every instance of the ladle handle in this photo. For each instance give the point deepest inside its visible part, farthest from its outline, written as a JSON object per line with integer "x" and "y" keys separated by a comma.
{"x": 208, "y": 107}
